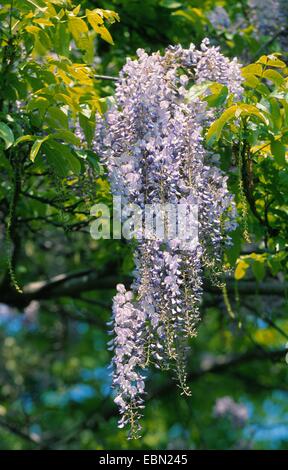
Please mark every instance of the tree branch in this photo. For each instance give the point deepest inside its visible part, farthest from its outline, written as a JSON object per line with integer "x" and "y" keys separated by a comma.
{"x": 219, "y": 365}
{"x": 224, "y": 364}
{"x": 268, "y": 43}
{"x": 73, "y": 284}
{"x": 22, "y": 434}
{"x": 12, "y": 232}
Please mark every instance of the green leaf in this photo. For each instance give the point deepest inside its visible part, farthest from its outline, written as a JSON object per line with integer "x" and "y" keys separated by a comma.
{"x": 62, "y": 40}
{"x": 251, "y": 110}
{"x": 7, "y": 135}
{"x": 61, "y": 158}
{"x": 241, "y": 269}
{"x": 36, "y": 147}
{"x": 56, "y": 118}
{"x": 4, "y": 163}
{"x": 67, "y": 136}
{"x": 90, "y": 50}
{"x": 258, "y": 269}
{"x": 276, "y": 114}
{"x": 105, "y": 35}
{"x": 88, "y": 127}
{"x": 96, "y": 21}
{"x": 79, "y": 30}
{"x": 234, "y": 112}
{"x": 24, "y": 138}
{"x": 251, "y": 73}
{"x": 274, "y": 76}
{"x": 263, "y": 89}
{"x": 195, "y": 15}
{"x": 233, "y": 251}
{"x": 218, "y": 98}
{"x": 94, "y": 18}
{"x": 94, "y": 161}
{"x": 216, "y": 127}
{"x": 40, "y": 103}
{"x": 271, "y": 61}
{"x": 275, "y": 262}
{"x": 39, "y": 4}
{"x": 254, "y": 69}
{"x": 170, "y": 4}
{"x": 251, "y": 80}
{"x": 279, "y": 151}
{"x": 76, "y": 10}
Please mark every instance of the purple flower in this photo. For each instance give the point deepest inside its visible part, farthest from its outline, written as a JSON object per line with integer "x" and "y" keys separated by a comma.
{"x": 226, "y": 407}
{"x": 152, "y": 142}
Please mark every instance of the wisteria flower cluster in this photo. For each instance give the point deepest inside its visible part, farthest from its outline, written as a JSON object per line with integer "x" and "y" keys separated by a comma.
{"x": 219, "y": 18}
{"x": 226, "y": 407}
{"x": 152, "y": 141}
{"x": 270, "y": 18}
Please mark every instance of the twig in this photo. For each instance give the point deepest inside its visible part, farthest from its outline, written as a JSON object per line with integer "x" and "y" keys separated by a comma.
{"x": 268, "y": 43}
{"x": 247, "y": 176}
{"x": 106, "y": 77}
